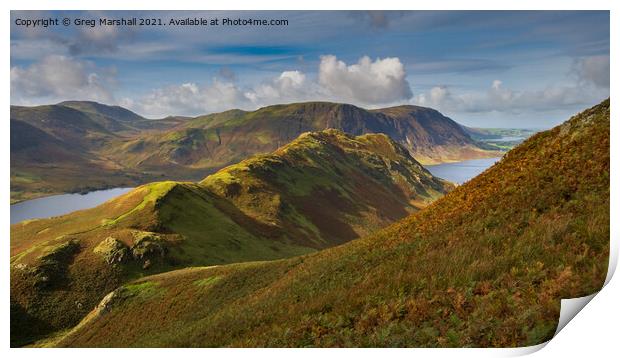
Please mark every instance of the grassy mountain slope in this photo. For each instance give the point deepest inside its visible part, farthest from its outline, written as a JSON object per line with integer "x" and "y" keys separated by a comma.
{"x": 321, "y": 190}
{"x": 431, "y": 137}
{"x": 126, "y": 149}
{"x": 58, "y": 148}
{"x": 131, "y": 121}
{"x": 78, "y": 128}
{"x": 116, "y": 112}
{"x": 47, "y": 161}
{"x": 486, "y": 265}
{"x": 215, "y": 140}
{"x": 31, "y": 144}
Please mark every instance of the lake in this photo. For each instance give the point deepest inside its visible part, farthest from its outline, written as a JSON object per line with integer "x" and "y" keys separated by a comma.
{"x": 461, "y": 172}
{"x": 65, "y": 203}
{"x": 61, "y": 204}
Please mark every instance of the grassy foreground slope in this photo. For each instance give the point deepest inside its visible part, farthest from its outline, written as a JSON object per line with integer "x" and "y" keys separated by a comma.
{"x": 486, "y": 265}
{"x": 321, "y": 190}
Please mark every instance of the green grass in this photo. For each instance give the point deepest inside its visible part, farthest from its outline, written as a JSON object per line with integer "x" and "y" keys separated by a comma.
{"x": 207, "y": 282}
{"x": 497, "y": 133}
{"x": 155, "y": 191}
{"x": 211, "y": 237}
{"x": 143, "y": 291}
{"x": 23, "y": 177}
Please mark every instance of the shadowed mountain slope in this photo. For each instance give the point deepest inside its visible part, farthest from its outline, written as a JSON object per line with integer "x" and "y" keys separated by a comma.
{"x": 59, "y": 148}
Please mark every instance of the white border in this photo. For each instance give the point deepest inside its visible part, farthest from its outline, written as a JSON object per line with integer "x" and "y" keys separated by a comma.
{"x": 592, "y": 331}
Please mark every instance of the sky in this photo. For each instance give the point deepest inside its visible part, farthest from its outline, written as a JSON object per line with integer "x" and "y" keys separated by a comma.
{"x": 516, "y": 69}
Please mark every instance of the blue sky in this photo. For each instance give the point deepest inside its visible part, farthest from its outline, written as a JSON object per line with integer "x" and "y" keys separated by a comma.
{"x": 481, "y": 68}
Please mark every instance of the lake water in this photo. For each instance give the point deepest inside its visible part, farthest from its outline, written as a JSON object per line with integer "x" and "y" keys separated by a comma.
{"x": 61, "y": 204}
{"x": 462, "y": 171}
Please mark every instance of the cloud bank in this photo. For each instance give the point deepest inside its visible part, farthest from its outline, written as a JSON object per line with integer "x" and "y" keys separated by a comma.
{"x": 591, "y": 85}
{"x": 499, "y": 98}
{"x": 366, "y": 83}
{"x": 59, "y": 77}
{"x": 593, "y": 70}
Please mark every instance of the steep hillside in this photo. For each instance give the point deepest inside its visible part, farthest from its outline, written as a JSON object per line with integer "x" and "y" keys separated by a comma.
{"x": 132, "y": 122}
{"x": 486, "y": 265}
{"x": 431, "y": 137}
{"x": 41, "y": 163}
{"x": 31, "y": 144}
{"x": 77, "y": 128}
{"x": 130, "y": 150}
{"x": 216, "y": 140}
{"x": 321, "y": 190}
{"x": 58, "y": 148}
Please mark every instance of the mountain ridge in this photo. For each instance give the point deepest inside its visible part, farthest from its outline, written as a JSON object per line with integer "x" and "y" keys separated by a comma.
{"x": 321, "y": 190}
{"x": 113, "y": 111}
{"x": 484, "y": 266}
{"x": 126, "y": 150}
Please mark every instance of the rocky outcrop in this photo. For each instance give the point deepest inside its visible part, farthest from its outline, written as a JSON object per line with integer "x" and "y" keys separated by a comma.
{"x": 112, "y": 250}
{"x": 147, "y": 247}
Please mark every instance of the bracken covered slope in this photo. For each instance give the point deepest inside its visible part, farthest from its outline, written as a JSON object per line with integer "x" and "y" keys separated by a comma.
{"x": 321, "y": 190}
{"x": 486, "y": 265}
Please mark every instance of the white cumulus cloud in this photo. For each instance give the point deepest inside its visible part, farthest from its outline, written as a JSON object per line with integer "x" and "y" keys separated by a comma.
{"x": 189, "y": 99}
{"x": 219, "y": 95}
{"x": 366, "y": 82}
{"x": 289, "y": 86}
